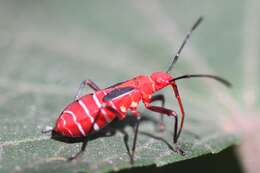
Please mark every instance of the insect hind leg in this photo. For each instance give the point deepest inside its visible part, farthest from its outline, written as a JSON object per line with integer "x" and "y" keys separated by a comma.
{"x": 83, "y": 84}
{"x": 82, "y": 149}
{"x": 85, "y": 141}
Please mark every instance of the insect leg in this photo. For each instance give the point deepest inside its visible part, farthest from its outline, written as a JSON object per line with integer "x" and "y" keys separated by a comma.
{"x": 169, "y": 113}
{"x": 136, "y": 130}
{"x": 126, "y": 137}
{"x": 88, "y": 82}
{"x": 161, "y": 98}
{"x": 135, "y": 139}
{"x": 83, "y": 147}
{"x": 175, "y": 89}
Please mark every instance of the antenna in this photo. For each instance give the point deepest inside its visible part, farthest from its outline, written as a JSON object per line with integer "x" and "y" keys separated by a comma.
{"x": 217, "y": 78}
{"x": 199, "y": 20}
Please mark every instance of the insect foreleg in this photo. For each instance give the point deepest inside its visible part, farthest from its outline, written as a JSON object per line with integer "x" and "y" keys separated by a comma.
{"x": 175, "y": 89}
{"x": 161, "y": 98}
{"x": 88, "y": 82}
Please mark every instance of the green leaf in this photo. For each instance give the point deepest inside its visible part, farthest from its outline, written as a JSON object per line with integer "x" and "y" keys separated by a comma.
{"x": 47, "y": 48}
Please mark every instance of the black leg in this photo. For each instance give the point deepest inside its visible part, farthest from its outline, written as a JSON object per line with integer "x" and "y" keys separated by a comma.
{"x": 126, "y": 141}
{"x": 136, "y": 114}
{"x": 161, "y": 98}
{"x": 135, "y": 139}
{"x": 90, "y": 83}
{"x": 83, "y": 147}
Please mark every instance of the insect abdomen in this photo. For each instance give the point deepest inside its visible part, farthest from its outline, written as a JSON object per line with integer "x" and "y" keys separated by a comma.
{"x": 83, "y": 116}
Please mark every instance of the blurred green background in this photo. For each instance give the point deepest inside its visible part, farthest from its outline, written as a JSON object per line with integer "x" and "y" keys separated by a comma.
{"x": 48, "y": 47}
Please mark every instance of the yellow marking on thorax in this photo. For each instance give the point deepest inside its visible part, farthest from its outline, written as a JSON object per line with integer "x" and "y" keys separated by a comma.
{"x": 122, "y": 108}
{"x": 134, "y": 104}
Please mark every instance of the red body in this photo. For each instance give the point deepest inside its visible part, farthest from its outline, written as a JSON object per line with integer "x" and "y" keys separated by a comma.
{"x": 90, "y": 112}
{"x": 94, "y": 111}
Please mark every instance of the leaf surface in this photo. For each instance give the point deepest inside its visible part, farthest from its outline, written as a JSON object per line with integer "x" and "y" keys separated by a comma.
{"x": 48, "y": 48}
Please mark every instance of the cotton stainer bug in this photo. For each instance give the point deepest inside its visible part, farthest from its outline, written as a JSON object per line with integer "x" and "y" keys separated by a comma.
{"x": 89, "y": 113}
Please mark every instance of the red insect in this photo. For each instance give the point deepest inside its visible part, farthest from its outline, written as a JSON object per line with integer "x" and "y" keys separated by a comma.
{"x": 93, "y": 111}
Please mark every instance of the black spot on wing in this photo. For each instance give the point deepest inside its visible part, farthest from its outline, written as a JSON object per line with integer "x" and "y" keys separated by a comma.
{"x": 117, "y": 92}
